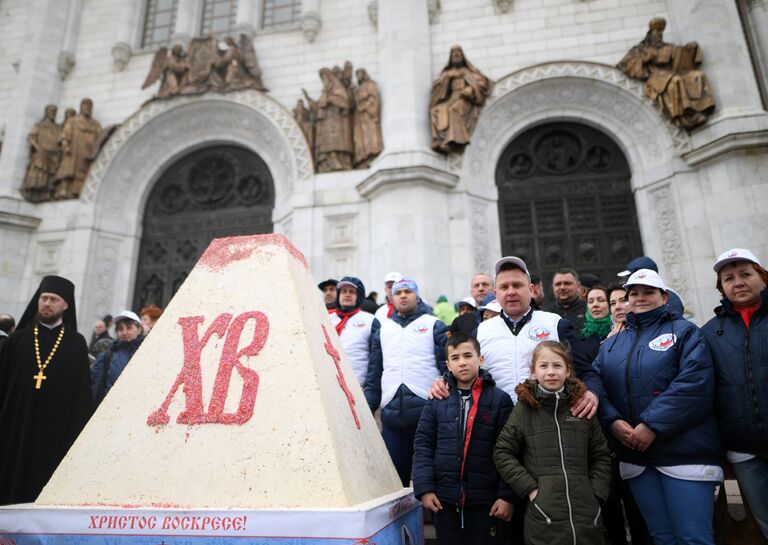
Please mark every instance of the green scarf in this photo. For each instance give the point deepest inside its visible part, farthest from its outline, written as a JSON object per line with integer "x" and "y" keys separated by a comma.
{"x": 599, "y": 327}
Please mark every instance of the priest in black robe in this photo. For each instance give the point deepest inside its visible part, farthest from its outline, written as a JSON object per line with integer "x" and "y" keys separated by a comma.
{"x": 45, "y": 391}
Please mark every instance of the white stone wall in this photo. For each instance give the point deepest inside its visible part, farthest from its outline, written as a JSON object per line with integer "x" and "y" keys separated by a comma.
{"x": 538, "y": 31}
{"x": 13, "y": 13}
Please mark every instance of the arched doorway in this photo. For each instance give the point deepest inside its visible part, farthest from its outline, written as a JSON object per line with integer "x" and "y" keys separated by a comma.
{"x": 218, "y": 191}
{"x": 565, "y": 200}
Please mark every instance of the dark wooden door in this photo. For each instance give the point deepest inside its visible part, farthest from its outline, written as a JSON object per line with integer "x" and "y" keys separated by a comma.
{"x": 215, "y": 192}
{"x": 565, "y": 200}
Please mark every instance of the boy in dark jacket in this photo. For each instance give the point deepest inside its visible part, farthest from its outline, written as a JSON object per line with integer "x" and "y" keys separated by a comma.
{"x": 453, "y": 471}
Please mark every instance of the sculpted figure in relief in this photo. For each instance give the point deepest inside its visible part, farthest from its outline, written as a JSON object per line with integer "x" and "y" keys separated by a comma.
{"x": 44, "y": 159}
{"x": 332, "y": 139}
{"x": 671, "y": 76}
{"x": 173, "y": 67}
{"x": 367, "y": 120}
{"x": 79, "y": 148}
{"x": 206, "y": 67}
{"x": 458, "y": 95}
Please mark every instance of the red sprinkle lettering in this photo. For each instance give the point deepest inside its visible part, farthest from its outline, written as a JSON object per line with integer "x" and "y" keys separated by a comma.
{"x": 340, "y": 376}
{"x": 190, "y": 375}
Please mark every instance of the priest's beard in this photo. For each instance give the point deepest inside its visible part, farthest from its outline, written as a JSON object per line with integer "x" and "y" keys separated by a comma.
{"x": 49, "y": 320}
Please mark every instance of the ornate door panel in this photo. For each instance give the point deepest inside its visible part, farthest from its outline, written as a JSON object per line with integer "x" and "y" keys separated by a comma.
{"x": 565, "y": 200}
{"x": 216, "y": 192}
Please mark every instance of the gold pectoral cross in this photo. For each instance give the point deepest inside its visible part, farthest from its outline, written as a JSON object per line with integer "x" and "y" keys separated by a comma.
{"x": 39, "y": 377}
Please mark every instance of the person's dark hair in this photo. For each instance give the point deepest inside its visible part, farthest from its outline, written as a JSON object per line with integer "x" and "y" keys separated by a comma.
{"x": 614, "y": 287}
{"x": 107, "y": 320}
{"x": 558, "y": 348}
{"x": 535, "y": 279}
{"x": 566, "y": 270}
{"x": 373, "y": 296}
{"x": 601, "y": 288}
{"x": 761, "y": 272}
{"x": 460, "y": 337}
{"x": 7, "y": 323}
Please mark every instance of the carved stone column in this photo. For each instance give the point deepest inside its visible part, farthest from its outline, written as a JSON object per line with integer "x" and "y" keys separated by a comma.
{"x": 245, "y": 22}
{"x": 129, "y": 19}
{"x": 188, "y": 15}
{"x": 38, "y": 84}
{"x": 409, "y": 187}
{"x": 756, "y": 14}
{"x": 66, "y": 61}
{"x": 310, "y": 19}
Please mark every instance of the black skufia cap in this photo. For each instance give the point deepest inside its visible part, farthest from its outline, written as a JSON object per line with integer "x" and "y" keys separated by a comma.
{"x": 61, "y": 287}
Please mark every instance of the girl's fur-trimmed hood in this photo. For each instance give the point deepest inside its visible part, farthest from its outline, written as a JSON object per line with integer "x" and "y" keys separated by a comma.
{"x": 528, "y": 392}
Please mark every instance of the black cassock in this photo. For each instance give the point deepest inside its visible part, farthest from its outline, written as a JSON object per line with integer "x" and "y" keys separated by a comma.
{"x": 37, "y": 427}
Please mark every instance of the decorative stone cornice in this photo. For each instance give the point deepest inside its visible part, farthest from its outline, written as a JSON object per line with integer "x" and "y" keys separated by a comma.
{"x": 310, "y": 25}
{"x": 121, "y": 54}
{"x": 502, "y": 5}
{"x": 415, "y": 175}
{"x": 726, "y": 144}
{"x": 433, "y": 7}
{"x": 65, "y": 63}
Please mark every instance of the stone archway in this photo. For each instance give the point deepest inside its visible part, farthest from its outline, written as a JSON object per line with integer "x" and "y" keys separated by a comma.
{"x": 565, "y": 200}
{"x": 219, "y": 191}
{"x": 598, "y": 96}
{"x": 145, "y": 145}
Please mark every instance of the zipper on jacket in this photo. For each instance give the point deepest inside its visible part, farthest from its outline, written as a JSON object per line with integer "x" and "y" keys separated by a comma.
{"x": 543, "y": 514}
{"x": 627, "y": 376}
{"x": 594, "y": 522}
{"x": 751, "y": 376}
{"x": 565, "y": 473}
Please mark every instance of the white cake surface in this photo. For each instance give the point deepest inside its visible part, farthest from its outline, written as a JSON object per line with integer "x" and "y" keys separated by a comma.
{"x": 310, "y": 442}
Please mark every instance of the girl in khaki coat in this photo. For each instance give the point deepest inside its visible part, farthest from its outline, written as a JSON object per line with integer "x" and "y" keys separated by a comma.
{"x": 566, "y": 466}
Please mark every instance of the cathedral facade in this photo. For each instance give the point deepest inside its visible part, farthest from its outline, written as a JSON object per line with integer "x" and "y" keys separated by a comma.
{"x": 578, "y": 142}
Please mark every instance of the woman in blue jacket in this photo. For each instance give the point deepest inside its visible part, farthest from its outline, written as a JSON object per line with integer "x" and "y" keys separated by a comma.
{"x": 738, "y": 340}
{"x": 111, "y": 363}
{"x": 657, "y": 410}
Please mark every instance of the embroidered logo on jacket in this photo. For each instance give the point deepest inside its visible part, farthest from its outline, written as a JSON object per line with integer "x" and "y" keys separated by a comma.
{"x": 359, "y": 324}
{"x": 421, "y": 330}
{"x": 662, "y": 343}
{"x": 539, "y": 334}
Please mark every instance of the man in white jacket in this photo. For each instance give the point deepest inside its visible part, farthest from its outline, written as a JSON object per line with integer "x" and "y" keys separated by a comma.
{"x": 407, "y": 354}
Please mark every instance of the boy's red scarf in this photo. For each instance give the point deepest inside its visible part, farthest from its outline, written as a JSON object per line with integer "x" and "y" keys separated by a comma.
{"x": 345, "y": 316}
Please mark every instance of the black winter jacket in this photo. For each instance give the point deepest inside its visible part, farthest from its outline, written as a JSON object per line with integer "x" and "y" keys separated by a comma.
{"x": 439, "y": 462}
{"x": 740, "y": 356}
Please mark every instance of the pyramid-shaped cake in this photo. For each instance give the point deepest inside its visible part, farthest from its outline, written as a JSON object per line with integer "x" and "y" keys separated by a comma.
{"x": 241, "y": 397}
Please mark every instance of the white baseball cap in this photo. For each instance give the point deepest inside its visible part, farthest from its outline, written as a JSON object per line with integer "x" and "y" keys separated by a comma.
{"x": 493, "y": 306}
{"x": 645, "y": 277}
{"x": 468, "y": 301}
{"x": 516, "y": 261}
{"x": 127, "y": 315}
{"x": 735, "y": 254}
{"x": 394, "y": 276}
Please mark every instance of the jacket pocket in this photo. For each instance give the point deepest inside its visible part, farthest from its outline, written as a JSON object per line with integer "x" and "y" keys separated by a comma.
{"x": 541, "y": 513}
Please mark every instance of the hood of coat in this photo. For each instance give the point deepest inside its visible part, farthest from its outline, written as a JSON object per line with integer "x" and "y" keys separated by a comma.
{"x": 360, "y": 293}
{"x": 726, "y": 307}
{"x": 127, "y": 345}
{"x": 528, "y": 392}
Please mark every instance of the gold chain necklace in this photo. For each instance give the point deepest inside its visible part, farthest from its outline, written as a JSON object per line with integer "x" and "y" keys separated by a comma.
{"x": 40, "y": 377}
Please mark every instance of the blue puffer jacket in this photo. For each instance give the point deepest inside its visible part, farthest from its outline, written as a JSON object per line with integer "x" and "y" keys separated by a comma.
{"x": 438, "y": 450}
{"x": 114, "y": 360}
{"x": 404, "y": 410}
{"x": 741, "y": 367}
{"x": 658, "y": 371}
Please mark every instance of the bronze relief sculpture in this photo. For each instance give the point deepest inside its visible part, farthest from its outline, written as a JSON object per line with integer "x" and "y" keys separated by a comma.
{"x": 79, "y": 145}
{"x": 44, "y": 157}
{"x": 671, "y": 75}
{"x": 343, "y": 126}
{"x": 205, "y": 67}
{"x": 458, "y": 96}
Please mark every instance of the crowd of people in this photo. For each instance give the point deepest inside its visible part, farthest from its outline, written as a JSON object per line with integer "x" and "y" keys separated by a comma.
{"x": 514, "y": 416}
{"x": 520, "y": 418}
